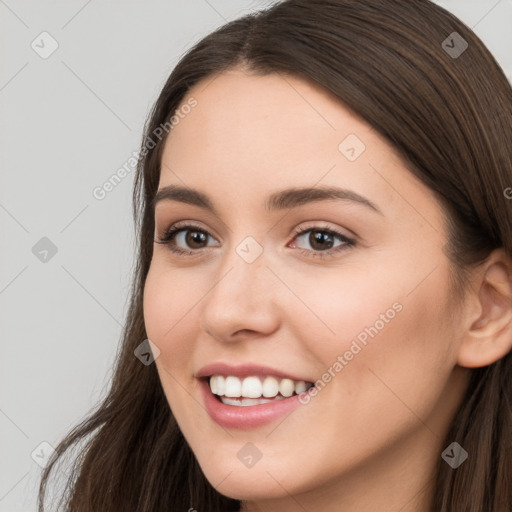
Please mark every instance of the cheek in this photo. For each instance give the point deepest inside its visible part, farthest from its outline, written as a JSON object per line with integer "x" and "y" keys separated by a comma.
{"x": 168, "y": 318}
{"x": 337, "y": 311}
{"x": 158, "y": 306}
{"x": 166, "y": 301}
{"x": 391, "y": 312}
{"x": 386, "y": 351}
{"x": 170, "y": 324}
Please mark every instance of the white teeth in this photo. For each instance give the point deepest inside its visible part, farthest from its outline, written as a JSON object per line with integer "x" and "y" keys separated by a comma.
{"x": 270, "y": 386}
{"x": 252, "y": 388}
{"x": 214, "y": 387}
{"x": 300, "y": 387}
{"x": 287, "y": 387}
{"x": 233, "y": 387}
{"x": 220, "y": 385}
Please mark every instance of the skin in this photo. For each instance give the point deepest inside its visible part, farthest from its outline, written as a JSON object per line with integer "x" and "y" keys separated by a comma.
{"x": 371, "y": 438}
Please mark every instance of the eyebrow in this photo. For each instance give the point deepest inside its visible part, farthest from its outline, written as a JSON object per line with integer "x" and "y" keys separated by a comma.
{"x": 288, "y": 198}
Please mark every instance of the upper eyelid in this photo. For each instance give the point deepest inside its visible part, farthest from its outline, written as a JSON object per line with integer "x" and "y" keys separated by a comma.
{"x": 187, "y": 226}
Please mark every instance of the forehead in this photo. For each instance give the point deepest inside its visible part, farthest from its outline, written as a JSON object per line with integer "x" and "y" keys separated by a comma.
{"x": 266, "y": 116}
{"x": 248, "y": 136}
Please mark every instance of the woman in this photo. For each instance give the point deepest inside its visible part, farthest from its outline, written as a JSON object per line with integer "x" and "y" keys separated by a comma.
{"x": 321, "y": 313}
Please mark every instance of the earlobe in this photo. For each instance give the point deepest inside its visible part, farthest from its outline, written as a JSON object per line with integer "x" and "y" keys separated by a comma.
{"x": 489, "y": 335}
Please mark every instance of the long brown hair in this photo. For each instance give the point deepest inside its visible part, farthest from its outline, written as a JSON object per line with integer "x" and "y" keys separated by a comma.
{"x": 450, "y": 117}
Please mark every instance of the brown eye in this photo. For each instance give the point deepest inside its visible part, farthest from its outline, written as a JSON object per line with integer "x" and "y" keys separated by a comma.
{"x": 322, "y": 240}
{"x": 191, "y": 239}
{"x": 194, "y": 239}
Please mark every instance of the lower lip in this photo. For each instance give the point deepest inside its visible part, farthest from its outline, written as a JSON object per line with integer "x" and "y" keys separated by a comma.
{"x": 245, "y": 417}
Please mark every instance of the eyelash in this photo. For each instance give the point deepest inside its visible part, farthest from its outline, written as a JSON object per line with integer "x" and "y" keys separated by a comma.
{"x": 171, "y": 233}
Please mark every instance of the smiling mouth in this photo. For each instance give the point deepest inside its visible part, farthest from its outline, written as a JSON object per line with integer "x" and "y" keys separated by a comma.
{"x": 254, "y": 390}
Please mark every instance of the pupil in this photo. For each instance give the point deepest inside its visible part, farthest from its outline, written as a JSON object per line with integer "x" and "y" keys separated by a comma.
{"x": 195, "y": 237}
{"x": 321, "y": 239}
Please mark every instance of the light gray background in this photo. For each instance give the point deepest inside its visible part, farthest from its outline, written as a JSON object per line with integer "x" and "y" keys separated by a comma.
{"x": 69, "y": 121}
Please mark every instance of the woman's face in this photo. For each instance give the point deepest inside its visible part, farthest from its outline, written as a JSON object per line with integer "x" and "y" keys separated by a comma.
{"x": 358, "y": 303}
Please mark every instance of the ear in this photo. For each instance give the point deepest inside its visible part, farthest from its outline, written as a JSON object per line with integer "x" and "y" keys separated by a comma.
{"x": 488, "y": 336}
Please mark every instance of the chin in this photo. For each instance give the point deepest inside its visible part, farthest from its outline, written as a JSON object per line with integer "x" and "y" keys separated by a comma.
{"x": 261, "y": 482}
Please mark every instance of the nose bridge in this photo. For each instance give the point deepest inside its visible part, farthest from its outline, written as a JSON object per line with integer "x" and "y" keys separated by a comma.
{"x": 242, "y": 295}
{"x": 243, "y": 274}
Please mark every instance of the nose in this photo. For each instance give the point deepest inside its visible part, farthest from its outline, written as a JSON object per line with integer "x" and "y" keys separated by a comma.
{"x": 243, "y": 300}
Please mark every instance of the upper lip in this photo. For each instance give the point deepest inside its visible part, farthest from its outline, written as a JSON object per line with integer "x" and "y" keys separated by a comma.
{"x": 245, "y": 370}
